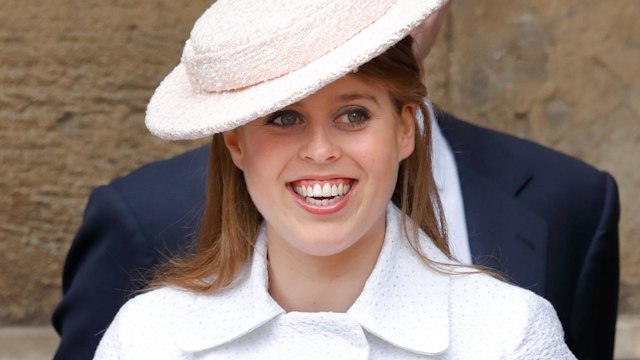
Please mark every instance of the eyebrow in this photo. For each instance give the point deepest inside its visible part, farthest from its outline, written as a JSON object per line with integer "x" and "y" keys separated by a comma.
{"x": 357, "y": 96}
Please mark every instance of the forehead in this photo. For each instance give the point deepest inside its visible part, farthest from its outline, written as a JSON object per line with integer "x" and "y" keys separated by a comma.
{"x": 348, "y": 88}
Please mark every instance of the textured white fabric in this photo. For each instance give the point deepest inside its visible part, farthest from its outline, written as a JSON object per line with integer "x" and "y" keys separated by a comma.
{"x": 445, "y": 173}
{"x": 180, "y": 109}
{"x": 406, "y": 311}
{"x": 228, "y": 60}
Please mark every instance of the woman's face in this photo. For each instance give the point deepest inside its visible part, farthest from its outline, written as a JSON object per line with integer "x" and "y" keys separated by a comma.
{"x": 322, "y": 171}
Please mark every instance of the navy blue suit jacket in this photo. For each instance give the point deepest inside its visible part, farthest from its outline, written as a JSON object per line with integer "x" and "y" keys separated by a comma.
{"x": 546, "y": 220}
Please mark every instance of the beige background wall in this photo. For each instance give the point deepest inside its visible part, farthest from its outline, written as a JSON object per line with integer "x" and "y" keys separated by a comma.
{"x": 75, "y": 77}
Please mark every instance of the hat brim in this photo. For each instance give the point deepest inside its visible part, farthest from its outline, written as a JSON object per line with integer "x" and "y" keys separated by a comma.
{"x": 177, "y": 112}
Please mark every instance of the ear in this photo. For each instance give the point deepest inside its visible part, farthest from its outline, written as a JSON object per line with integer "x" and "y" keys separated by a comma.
{"x": 233, "y": 142}
{"x": 406, "y": 131}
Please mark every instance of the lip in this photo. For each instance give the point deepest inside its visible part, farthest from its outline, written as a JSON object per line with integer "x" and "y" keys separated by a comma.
{"x": 318, "y": 209}
{"x": 321, "y": 178}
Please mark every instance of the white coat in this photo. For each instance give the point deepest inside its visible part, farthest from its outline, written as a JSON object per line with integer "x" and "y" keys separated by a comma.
{"x": 405, "y": 311}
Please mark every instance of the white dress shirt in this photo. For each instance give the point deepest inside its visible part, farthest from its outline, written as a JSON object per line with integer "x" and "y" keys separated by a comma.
{"x": 407, "y": 310}
{"x": 445, "y": 173}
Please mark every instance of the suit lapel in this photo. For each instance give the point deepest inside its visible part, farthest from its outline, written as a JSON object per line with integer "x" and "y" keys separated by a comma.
{"x": 503, "y": 234}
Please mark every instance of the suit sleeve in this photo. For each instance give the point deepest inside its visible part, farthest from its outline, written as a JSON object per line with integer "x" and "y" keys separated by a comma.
{"x": 108, "y": 260}
{"x": 595, "y": 303}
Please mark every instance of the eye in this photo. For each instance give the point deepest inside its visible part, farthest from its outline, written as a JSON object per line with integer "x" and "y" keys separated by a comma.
{"x": 284, "y": 118}
{"x": 354, "y": 117}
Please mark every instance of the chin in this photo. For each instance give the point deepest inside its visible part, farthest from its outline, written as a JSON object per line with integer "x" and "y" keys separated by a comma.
{"x": 324, "y": 247}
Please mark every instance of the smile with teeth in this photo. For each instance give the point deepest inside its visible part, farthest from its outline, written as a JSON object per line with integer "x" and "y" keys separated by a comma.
{"x": 321, "y": 193}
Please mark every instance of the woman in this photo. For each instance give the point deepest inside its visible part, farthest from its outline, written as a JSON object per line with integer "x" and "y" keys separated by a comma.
{"x": 321, "y": 236}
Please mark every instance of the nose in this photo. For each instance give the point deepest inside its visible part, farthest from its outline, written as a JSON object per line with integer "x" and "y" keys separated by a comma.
{"x": 320, "y": 144}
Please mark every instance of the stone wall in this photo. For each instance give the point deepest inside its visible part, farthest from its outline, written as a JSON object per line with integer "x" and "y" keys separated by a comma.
{"x": 76, "y": 75}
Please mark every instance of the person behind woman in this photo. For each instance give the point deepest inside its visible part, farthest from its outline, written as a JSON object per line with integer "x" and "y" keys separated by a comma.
{"x": 322, "y": 235}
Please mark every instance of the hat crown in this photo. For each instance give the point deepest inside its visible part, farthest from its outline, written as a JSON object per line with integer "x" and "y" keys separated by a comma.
{"x": 239, "y": 43}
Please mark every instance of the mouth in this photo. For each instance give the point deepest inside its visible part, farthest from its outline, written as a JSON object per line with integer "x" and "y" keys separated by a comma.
{"x": 323, "y": 193}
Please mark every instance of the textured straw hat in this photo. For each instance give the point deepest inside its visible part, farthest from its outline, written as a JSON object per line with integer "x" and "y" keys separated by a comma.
{"x": 248, "y": 58}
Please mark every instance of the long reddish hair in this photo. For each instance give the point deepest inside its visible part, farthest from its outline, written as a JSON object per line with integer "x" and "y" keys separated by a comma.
{"x": 230, "y": 221}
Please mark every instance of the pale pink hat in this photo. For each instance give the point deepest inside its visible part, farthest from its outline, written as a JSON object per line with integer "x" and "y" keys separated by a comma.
{"x": 248, "y": 58}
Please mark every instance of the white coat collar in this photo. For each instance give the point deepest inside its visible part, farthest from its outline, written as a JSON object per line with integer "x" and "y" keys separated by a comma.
{"x": 403, "y": 302}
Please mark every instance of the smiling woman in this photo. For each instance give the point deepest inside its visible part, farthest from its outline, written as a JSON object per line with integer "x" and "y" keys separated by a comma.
{"x": 322, "y": 149}
{"x": 352, "y": 135}
{"x": 323, "y": 234}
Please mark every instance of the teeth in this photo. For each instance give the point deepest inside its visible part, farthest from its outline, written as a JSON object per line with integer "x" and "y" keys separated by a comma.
{"x": 323, "y": 202}
{"x": 324, "y": 190}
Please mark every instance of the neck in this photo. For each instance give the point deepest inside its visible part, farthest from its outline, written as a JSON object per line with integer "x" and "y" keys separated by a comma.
{"x": 306, "y": 283}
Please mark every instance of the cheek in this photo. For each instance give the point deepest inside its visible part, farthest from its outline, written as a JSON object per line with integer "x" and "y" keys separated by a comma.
{"x": 265, "y": 160}
{"x": 258, "y": 154}
{"x": 378, "y": 156}
{"x": 261, "y": 168}
{"x": 261, "y": 180}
